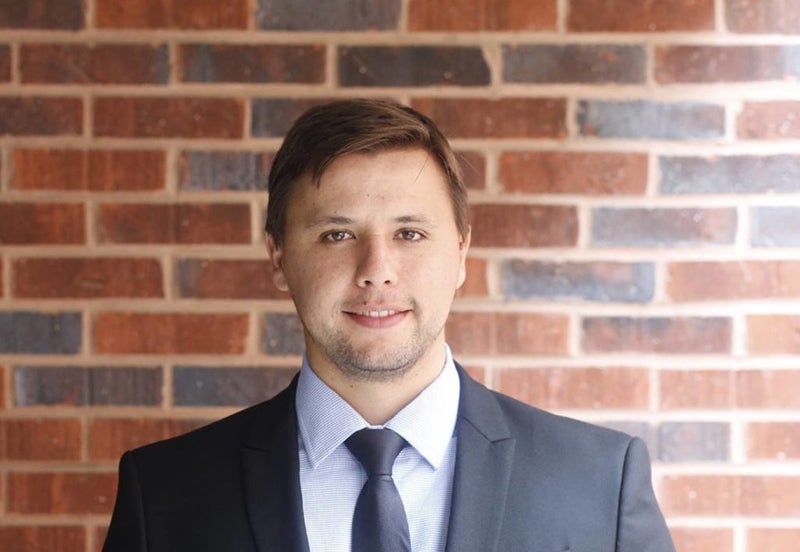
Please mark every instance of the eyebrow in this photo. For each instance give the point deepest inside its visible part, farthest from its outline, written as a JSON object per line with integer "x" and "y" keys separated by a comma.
{"x": 333, "y": 220}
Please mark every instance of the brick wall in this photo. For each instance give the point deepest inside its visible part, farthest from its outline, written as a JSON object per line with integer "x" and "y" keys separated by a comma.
{"x": 634, "y": 168}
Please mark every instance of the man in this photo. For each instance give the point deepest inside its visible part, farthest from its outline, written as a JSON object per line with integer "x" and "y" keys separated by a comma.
{"x": 367, "y": 229}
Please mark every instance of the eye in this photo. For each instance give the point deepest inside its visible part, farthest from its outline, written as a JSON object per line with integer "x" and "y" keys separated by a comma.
{"x": 336, "y": 236}
{"x": 410, "y": 235}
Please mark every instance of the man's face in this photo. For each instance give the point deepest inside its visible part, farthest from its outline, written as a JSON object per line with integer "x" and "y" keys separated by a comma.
{"x": 372, "y": 258}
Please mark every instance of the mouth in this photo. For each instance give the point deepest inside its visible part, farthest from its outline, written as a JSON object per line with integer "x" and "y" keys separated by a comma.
{"x": 373, "y": 318}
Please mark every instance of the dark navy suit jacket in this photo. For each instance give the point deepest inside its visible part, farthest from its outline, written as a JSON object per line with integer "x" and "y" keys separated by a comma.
{"x": 525, "y": 480}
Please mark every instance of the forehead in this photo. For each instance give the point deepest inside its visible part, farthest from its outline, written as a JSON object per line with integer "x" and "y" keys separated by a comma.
{"x": 387, "y": 180}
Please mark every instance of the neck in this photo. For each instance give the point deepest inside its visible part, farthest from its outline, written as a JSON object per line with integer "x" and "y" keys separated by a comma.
{"x": 378, "y": 401}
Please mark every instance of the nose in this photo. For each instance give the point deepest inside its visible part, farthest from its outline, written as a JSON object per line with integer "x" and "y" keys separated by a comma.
{"x": 376, "y": 265}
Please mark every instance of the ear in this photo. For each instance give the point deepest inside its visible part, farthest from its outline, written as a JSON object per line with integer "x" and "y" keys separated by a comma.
{"x": 463, "y": 248}
{"x": 275, "y": 253}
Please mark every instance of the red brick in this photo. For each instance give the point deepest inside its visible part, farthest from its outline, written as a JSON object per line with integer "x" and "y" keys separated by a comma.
{"x": 226, "y": 279}
{"x": 110, "y": 437}
{"x": 509, "y": 333}
{"x": 61, "y": 493}
{"x": 679, "y": 335}
{"x": 174, "y": 223}
{"x": 476, "y": 284}
{"x": 773, "y": 539}
{"x": 702, "y": 64}
{"x": 589, "y": 388}
{"x": 769, "y": 120}
{"x": 513, "y": 225}
{"x": 585, "y": 173}
{"x": 161, "y": 117}
{"x": 473, "y": 168}
{"x": 160, "y": 14}
{"x": 99, "y": 538}
{"x": 641, "y": 16}
{"x": 41, "y": 223}
{"x": 735, "y": 280}
{"x": 42, "y": 538}
{"x": 40, "y": 439}
{"x": 771, "y": 389}
{"x": 773, "y": 334}
{"x": 31, "y": 116}
{"x": 42, "y": 14}
{"x": 501, "y": 118}
{"x": 762, "y": 16}
{"x": 93, "y": 170}
{"x": 696, "y": 389}
{"x": 773, "y": 440}
{"x": 482, "y": 15}
{"x": 96, "y": 64}
{"x": 87, "y": 278}
{"x": 2, "y": 387}
{"x": 5, "y": 63}
{"x": 253, "y": 63}
{"x": 731, "y": 495}
{"x": 700, "y": 539}
{"x": 170, "y": 333}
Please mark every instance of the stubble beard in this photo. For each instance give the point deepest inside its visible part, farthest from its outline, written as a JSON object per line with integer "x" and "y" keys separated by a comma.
{"x": 372, "y": 366}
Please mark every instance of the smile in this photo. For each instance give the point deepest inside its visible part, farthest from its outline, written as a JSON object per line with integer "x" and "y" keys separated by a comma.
{"x": 377, "y": 319}
{"x": 377, "y": 314}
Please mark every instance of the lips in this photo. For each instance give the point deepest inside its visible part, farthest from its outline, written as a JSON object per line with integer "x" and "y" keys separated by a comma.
{"x": 377, "y": 318}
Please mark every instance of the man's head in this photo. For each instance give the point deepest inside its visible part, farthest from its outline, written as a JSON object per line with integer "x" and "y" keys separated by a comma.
{"x": 326, "y": 132}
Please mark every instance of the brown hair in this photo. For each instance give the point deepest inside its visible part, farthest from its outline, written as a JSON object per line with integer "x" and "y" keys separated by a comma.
{"x": 328, "y": 131}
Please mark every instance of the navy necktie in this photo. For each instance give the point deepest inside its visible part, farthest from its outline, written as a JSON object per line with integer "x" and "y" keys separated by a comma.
{"x": 379, "y": 521}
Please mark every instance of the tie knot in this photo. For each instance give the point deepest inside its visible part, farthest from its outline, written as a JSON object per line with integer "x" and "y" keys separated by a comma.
{"x": 376, "y": 449}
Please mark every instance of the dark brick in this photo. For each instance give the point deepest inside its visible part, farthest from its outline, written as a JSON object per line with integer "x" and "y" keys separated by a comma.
{"x": 510, "y": 225}
{"x": 651, "y": 120}
{"x": 39, "y": 538}
{"x": 694, "y": 442}
{"x": 87, "y": 386}
{"x": 272, "y": 117}
{"x": 253, "y": 63}
{"x": 42, "y": 14}
{"x": 98, "y": 64}
{"x": 573, "y": 172}
{"x": 660, "y": 335}
{"x": 638, "y": 227}
{"x": 162, "y": 14}
{"x": 41, "y": 223}
{"x": 283, "y": 334}
{"x": 186, "y": 223}
{"x": 642, "y": 430}
{"x": 412, "y": 66}
{"x": 40, "y": 333}
{"x": 769, "y": 120}
{"x": 227, "y": 386}
{"x": 94, "y": 170}
{"x": 640, "y": 16}
{"x": 226, "y": 279}
{"x": 589, "y": 281}
{"x": 5, "y": 63}
{"x": 702, "y": 64}
{"x": 87, "y": 277}
{"x": 730, "y": 174}
{"x": 168, "y": 117}
{"x": 500, "y": 118}
{"x": 480, "y": 15}
{"x": 224, "y": 170}
{"x": 775, "y": 226}
{"x": 49, "y": 116}
{"x": 762, "y": 16}
{"x": 309, "y": 15}
{"x": 574, "y": 63}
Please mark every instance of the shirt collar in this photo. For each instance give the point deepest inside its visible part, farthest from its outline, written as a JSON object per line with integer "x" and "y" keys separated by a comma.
{"x": 325, "y": 420}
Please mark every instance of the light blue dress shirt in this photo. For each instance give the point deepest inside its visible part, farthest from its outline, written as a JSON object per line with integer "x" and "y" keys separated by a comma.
{"x": 331, "y": 478}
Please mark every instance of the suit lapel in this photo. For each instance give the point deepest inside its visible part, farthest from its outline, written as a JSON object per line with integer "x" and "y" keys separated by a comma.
{"x": 484, "y": 456}
{"x": 272, "y": 479}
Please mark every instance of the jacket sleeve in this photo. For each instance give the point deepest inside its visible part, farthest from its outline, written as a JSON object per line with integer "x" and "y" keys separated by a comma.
{"x": 640, "y": 524}
{"x": 127, "y": 533}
